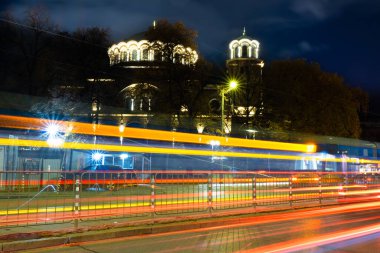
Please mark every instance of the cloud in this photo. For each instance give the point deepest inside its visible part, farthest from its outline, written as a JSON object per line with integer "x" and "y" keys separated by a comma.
{"x": 305, "y": 46}
{"x": 320, "y": 9}
{"x": 301, "y": 49}
{"x": 310, "y": 8}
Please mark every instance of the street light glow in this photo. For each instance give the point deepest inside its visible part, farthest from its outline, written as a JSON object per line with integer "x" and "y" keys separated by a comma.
{"x": 233, "y": 84}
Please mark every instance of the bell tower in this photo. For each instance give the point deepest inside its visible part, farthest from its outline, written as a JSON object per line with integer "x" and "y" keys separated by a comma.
{"x": 245, "y": 66}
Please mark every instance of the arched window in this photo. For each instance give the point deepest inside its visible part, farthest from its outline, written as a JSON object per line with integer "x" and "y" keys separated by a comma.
{"x": 254, "y": 55}
{"x": 157, "y": 55}
{"x": 177, "y": 58}
{"x": 145, "y": 54}
{"x": 123, "y": 56}
{"x": 116, "y": 56}
{"x": 244, "y": 51}
{"x": 134, "y": 55}
{"x": 236, "y": 52}
{"x": 112, "y": 58}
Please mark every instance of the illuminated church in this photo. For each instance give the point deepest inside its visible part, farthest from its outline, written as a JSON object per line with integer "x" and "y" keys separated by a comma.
{"x": 137, "y": 65}
{"x": 140, "y": 70}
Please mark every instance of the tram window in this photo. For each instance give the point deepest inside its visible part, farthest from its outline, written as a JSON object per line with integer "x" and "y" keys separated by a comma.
{"x": 108, "y": 160}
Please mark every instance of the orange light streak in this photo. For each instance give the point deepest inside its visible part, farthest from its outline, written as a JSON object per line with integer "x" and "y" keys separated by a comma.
{"x": 303, "y": 244}
{"x": 137, "y": 149}
{"x": 27, "y": 123}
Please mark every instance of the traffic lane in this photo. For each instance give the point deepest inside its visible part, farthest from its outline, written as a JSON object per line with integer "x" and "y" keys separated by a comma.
{"x": 305, "y": 231}
{"x": 365, "y": 244}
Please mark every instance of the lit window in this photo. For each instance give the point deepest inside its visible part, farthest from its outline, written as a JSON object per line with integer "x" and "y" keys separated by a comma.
{"x": 132, "y": 104}
{"x": 244, "y": 53}
{"x": 145, "y": 54}
{"x": 157, "y": 55}
{"x": 123, "y": 56}
{"x": 236, "y": 52}
{"x": 134, "y": 55}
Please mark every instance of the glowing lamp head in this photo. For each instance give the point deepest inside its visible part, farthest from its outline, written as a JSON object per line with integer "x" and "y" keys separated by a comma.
{"x": 233, "y": 84}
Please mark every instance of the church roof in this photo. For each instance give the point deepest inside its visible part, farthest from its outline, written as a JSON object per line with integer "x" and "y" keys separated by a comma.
{"x": 137, "y": 37}
{"x": 244, "y": 36}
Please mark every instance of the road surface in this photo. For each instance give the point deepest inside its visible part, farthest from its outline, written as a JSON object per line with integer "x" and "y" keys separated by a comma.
{"x": 349, "y": 228}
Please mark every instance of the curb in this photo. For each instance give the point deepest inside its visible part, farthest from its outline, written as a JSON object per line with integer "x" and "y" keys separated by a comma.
{"x": 127, "y": 230}
{"x": 32, "y": 244}
{"x": 106, "y": 234}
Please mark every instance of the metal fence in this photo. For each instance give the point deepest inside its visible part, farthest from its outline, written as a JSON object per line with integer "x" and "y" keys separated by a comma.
{"x": 28, "y": 198}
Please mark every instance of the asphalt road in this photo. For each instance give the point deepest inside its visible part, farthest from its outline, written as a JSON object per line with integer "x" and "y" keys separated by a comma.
{"x": 351, "y": 228}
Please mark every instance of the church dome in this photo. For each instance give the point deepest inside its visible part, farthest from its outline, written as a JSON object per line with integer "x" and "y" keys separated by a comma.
{"x": 138, "y": 49}
{"x": 244, "y": 47}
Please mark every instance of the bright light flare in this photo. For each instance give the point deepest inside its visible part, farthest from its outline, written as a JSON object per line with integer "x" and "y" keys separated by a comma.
{"x": 233, "y": 84}
{"x": 55, "y": 138}
{"x": 311, "y": 148}
{"x": 124, "y": 156}
{"x": 214, "y": 143}
{"x": 52, "y": 129}
{"x": 121, "y": 128}
{"x": 55, "y": 142}
{"x": 97, "y": 156}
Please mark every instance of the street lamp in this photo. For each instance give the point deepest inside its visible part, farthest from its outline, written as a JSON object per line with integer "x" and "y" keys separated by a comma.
{"x": 232, "y": 84}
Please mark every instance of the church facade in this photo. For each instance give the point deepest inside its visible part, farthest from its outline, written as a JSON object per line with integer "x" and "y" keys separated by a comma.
{"x": 139, "y": 70}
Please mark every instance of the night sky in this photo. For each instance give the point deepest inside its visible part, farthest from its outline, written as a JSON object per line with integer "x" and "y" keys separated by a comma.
{"x": 342, "y": 35}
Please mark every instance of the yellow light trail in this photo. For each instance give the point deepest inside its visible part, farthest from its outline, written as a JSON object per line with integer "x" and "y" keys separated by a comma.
{"x": 159, "y": 203}
{"x": 17, "y": 122}
{"x": 157, "y": 150}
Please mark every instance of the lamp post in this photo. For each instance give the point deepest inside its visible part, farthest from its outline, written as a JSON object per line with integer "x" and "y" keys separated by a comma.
{"x": 231, "y": 85}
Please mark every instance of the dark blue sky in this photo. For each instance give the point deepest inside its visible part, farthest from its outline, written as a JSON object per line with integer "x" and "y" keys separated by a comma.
{"x": 342, "y": 35}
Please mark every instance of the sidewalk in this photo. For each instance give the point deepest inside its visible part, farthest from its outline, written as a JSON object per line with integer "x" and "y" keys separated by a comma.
{"x": 37, "y": 236}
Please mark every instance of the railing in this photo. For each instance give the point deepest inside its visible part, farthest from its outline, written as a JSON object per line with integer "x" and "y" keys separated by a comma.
{"x": 28, "y": 198}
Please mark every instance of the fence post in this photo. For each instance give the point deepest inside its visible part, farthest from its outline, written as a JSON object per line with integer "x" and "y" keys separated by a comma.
{"x": 23, "y": 182}
{"x": 77, "y": 201}
{"x": 209, "y": 192}
{"x": 254, "y": 192}
{"x": 152, "y": 195}
{"x": 320, "y": 189}
{"x": 291, "y": 191}
{"x": 345, "y": 188}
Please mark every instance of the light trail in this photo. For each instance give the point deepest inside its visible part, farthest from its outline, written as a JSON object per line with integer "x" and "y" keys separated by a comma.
{"x": 329, "y": 238}
{"x": 38, "y": 124}
{"x": 140, "y": 149}
{"x": 181, "y": 201}
{"x": 173, "y": 151}
{"x": 287, "y": 246}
